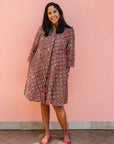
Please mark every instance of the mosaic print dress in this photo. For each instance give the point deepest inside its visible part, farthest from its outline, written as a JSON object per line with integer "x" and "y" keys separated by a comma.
{"x": 49, "y": 60}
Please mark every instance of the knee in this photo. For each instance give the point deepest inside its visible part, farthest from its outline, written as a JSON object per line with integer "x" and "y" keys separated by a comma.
{"x": 44, "y": 105}
{"x": 58, "y": 108}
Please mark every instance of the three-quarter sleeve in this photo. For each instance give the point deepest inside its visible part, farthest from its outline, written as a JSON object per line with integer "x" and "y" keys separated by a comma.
{"x": 70, "y": 50}
{"x": 35, "y": 44}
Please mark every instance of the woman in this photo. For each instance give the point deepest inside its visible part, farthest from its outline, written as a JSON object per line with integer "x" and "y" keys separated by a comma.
{"x": 51, "y": 56}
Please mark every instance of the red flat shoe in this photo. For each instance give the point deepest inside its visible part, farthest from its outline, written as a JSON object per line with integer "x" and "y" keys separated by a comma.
{"x": 69, "y": 142}
{"x": 45, "y": 141}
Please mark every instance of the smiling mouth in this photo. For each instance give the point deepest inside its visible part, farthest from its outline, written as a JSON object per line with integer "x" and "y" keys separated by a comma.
{"x": 54, "y": 18}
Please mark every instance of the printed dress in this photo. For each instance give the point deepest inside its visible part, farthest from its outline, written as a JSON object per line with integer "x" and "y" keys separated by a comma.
{"x": 49, "y": 58}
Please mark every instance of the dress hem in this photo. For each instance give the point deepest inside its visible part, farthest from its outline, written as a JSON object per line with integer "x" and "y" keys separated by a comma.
{"x": 48, "y": 103}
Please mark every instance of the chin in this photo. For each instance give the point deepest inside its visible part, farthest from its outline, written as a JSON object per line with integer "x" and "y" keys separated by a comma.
{"x": 54, "y": 22}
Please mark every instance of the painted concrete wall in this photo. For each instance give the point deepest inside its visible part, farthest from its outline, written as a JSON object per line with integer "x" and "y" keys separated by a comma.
{"x": 91, "y": 82}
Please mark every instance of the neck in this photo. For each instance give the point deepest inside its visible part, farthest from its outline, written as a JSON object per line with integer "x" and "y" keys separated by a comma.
{"x": 54, "y": 25}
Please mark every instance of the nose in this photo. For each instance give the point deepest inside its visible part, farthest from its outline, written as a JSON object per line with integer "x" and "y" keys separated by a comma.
{"x": 53, "y": 14}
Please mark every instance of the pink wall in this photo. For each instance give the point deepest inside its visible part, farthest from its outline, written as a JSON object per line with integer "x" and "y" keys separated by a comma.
{"x": 91, "y": 82}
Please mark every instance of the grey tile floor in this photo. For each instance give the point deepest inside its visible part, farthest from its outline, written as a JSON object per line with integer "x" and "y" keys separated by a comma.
{"x": 77, "y": 136}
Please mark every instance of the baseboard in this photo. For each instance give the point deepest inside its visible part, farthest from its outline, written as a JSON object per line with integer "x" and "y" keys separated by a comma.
{"x": 55, "y": 125}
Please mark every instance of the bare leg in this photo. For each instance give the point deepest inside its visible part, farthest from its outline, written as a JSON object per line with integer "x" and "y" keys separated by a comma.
{"x": 61, "y": 115}
{"x": 45, "y": 111}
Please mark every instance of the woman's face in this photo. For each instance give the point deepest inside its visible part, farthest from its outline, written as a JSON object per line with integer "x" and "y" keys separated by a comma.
{"x": 53, "y": 15}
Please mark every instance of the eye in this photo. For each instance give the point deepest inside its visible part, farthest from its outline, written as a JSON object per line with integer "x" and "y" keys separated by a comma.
{"x": 55, "y": 11}
{"x": 49, "y": 12}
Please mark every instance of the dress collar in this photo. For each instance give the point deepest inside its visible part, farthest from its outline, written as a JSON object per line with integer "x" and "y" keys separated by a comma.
{"x": 54, "y": 27}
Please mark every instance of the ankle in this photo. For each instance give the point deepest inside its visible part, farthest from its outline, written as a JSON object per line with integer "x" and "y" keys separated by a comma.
{"x": 65, "y": 132}
{"x": 47, "y": 132}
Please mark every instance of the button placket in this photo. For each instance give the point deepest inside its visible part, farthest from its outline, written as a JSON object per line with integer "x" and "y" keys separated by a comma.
{"x": 52, "y": 44}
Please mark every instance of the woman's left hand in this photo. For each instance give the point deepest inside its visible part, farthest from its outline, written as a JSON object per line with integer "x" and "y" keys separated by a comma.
{"x": 68, "y": 69}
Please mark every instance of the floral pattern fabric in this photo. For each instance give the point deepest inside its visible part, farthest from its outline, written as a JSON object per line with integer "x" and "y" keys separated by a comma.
{"x": 50, "y": 59}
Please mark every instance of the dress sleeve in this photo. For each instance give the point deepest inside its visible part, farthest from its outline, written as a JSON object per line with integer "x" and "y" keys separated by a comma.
{"x": 35, "y": 44}
{"x": 70, "y": 50}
